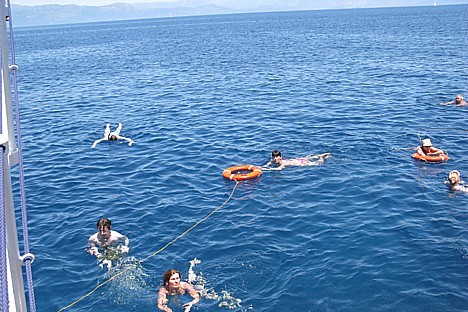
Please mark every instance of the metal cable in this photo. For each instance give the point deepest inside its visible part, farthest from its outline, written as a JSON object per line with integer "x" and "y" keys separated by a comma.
{"x": 27, "y": 260}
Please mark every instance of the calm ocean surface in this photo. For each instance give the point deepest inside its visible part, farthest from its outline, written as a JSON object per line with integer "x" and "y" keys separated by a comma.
{"x": 370, "y": 230}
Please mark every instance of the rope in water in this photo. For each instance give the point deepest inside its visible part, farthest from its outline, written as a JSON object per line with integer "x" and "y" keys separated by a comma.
{"x": 156, "y": 252}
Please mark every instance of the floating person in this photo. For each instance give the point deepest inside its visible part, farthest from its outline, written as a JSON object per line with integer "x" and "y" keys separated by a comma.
{"x": 459, "y": 101}
{"x": 172, "y": 285}
{"x": 426, "y": 149}
{"x": 112, "y": 136}
{"x": 107, "y": 245}
{"x": 310, "y": 160}
{"x": 455, "y": 183}
{"x": 427, "y": 152}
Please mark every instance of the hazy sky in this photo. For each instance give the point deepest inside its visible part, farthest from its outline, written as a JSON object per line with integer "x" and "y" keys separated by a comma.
{"x": 81, "y": 2}
{"x": 106, "y": 2}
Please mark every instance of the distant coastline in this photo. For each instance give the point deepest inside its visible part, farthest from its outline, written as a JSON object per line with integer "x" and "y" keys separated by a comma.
{"x": 43, "y": 15}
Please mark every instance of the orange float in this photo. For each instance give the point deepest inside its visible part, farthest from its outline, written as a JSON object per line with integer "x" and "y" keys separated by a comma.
{"x": 429, "y": 158}
{"x": 230, "y": 173}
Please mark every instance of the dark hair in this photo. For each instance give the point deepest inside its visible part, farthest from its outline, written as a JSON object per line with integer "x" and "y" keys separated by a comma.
{"x": 167, "y": 275}
{"x": 112, "y": 137}
{"x": 275, "y": 153}
{"x": 104, "y": 222}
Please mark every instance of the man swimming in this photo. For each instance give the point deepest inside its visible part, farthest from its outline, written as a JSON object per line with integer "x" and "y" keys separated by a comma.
{"x": 455, "y": 183}
{"x": 107, "y": 245}
{"x": 459, "y": 101}
{"x": 426, "y": 148}
{"x": 309, "y": 160}
{"x": 112, "y": 136}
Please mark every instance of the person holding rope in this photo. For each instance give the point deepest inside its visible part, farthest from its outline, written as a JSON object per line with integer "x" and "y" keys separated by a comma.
{"x": 277, "y": 158}
{"x": 426, "y": 149}
{"x": 172, "y": 285}
{"x": 107, "y": 245}
{"x": 459, "y": 101}
{"x": 157, "y": 252}
{"x": 112, "y": 136}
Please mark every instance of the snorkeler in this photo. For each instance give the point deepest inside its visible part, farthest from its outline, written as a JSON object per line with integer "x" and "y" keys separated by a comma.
{"x": 173, "y": 286}
{"x": 112, "y": 136}
{"x": 310, "y": 160}
{"x": 454, "y": 182}
{"x": 107, "y": 245}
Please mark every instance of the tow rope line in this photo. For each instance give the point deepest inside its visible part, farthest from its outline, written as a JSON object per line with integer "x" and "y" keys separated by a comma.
{"x": 154, "y": 253}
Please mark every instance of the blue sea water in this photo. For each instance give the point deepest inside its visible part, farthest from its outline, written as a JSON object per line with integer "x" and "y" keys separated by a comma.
{"x": 370, "y": 230}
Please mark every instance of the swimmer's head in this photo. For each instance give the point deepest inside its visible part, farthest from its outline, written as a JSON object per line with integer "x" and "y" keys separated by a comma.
{"x": 458, "y": 98}
{"x": 104, "y": 222}
{"x": 276, "y": 155}
{"x": 104, "y": 227}
{"x": 426, "y": 143}
{"x": 112, "y": 137}
{"x": 454, "y": 177}
{"x": 168, "y": 274}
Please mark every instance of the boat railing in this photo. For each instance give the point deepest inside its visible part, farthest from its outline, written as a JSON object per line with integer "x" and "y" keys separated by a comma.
{"x": 12, "y": 288}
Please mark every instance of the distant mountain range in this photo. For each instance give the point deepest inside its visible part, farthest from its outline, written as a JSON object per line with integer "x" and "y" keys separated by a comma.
{"x": 70, "y": 14}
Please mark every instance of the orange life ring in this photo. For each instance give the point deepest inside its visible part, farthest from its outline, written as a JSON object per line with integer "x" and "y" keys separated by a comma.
{"x": 230, "y": 174}
{"x": 435, "y": 158}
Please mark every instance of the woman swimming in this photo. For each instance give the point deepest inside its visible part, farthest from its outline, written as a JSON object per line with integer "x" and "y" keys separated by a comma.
{"x": 309, "y": 160}
{"x": 172, "y": 285}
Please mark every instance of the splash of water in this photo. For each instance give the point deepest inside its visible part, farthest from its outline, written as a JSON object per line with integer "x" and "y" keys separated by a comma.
{"x": 225, "y": 299}
{"x": 129, "y": 280}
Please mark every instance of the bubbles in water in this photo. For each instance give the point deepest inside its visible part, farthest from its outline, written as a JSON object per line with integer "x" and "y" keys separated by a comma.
{"x": 463, "y": 251}
{"x": 225, "y": 299}
{"x": 127, "y": 280}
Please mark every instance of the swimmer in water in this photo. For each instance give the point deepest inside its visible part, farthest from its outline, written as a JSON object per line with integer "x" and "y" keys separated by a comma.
{"x": 426, "y": 149}
{"x": 454, "y": 182}
{"x": 107, "y": 244}
{"x": 310, "y": 160}
{"x": 173, "y": 286}
{"x": 459, "y": 101}
{"x": 112, "y": 136}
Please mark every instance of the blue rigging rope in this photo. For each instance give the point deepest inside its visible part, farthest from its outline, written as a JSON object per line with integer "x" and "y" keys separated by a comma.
{"x": 28, "y": 258}
{"x": 3, "y": 242}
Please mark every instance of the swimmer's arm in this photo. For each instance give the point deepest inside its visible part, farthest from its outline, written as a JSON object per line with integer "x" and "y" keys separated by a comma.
{"x": 266, "y": 168}
{"x": 162, "y": 301}
{"x": 97, "y": 141}
{"x": 92, "y": 248}
{"x": 124, "y": 239}
{"x": 449, "y": 103}
{"x": 281, "y": 167}
{"x": 124, "y": 248}
{"x": 120, "y": 241}
{"x": 130, "y": 142}
{"x": 94, "y": 251}
{"x": 275, "y": 169}
{"x": 192, "y": 292}
{"x": 436, "y": 151}
{"x": 420, "y": 151}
